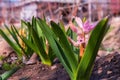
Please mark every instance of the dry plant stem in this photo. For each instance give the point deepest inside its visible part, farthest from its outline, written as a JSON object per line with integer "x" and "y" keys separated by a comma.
{"x": 22, "y": 33}
{"x": 74, "y": 10}
{"x": 47, "y": 46}
{"x": 50, "y": 10}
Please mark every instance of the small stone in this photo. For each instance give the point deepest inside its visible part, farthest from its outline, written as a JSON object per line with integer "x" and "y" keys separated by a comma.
{"x": 14, "y": 58}
{"x": 104, "y": 79}
{"x": 109, "y": 72}
{"x": 100, "y": 70}
{"x": 53, "y": 67}
{"x": 42, "y": 68}
{"x": 38, "y": 77}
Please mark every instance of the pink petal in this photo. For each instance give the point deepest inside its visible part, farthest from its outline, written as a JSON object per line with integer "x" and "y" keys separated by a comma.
{"x": 88, "y": 27}
{"x": 79, "y": 22}
{"x": 86, "y": 23}
{"x": 73, "y": 42}
{"x": 74, "y": 28}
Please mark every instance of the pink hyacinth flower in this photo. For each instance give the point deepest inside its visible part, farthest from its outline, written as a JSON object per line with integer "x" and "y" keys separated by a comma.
{"x": 78, "y": 31}
{"x": 82, "y": 30}
{"x": 86, "y": 26}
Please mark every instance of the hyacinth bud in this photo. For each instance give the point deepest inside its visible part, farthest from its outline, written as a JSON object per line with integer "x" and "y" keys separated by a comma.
{"x": 22, "y": 32}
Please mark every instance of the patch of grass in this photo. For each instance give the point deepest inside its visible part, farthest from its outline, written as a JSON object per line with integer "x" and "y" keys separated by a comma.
{"x": 7, "y": 66}
{"x": 1, "y": 58}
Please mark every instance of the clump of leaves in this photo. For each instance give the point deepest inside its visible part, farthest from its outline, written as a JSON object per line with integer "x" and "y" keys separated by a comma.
{"x": 38, "y": 43}
{"x": 78, "y": 69}
{"x": 7, "y": 66}
{"x": 28, "y": 39}
{"x": 15, "y": 42}
{"x": 1, "y": 58}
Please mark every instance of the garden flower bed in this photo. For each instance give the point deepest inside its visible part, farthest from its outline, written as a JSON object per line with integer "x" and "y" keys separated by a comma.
{"x": 74, "y": 50}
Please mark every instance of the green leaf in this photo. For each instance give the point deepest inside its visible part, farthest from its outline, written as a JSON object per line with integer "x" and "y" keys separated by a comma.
{"x": 9, "y": 73}
{"x": 61, "y": 24}
{"x": 69, "y": 54}
{"x": 11, "y": 43}
{"x": 85, "y": 66}
{"x": 53, "y": 43}
{"x": 42, "y": 53}
{"x": 51, "y": 54}
{"x": 15, "y": 37}
{"x": 12, "y": 33}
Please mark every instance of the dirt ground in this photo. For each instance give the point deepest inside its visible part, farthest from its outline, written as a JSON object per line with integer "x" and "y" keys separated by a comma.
{"x": 41, "y": 72}
{"x": 105, "y": 68}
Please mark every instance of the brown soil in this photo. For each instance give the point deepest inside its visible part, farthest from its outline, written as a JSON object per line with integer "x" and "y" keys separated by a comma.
{"x": 41, "y": 72}
{"x": 107, "y": 68}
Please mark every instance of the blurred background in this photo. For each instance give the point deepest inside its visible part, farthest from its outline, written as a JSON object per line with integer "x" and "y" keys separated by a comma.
{"x": 12, "y": 11}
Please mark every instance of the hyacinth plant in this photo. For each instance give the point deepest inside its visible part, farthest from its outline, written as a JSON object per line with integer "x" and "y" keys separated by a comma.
{"x": 39, "y": 43}
{"x": 26, "y": 41}
{"x": 78, "y": 67}
{"x": 23, "y": 51}
{"x": 29, "y": 39}
{"x": 15, "y": 42}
